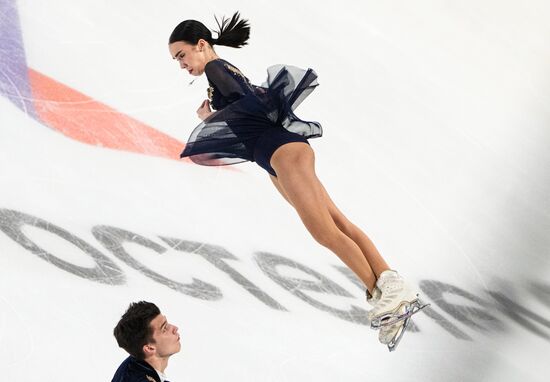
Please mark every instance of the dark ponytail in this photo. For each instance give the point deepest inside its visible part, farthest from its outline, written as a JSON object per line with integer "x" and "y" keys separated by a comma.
{"x": 233, "y": 32}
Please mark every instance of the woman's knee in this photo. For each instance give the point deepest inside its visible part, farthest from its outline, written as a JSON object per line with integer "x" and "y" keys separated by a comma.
{"x": 329, "y": 237}
{"x": 344, "y": 224}
{"x": 326, "y": 240}
{"x": 341, "y": 221}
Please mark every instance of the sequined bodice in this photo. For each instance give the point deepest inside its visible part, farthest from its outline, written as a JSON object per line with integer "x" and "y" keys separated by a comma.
{"x": 227, "y": 83}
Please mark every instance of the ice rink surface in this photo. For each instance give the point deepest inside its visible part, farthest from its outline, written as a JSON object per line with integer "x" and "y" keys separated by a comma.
{"x": 436, "y": 133}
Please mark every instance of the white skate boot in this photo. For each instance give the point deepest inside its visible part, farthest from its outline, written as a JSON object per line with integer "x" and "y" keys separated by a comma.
{"x": 372, "y": 299}
{"x": 387, "y": 333}
{"x": 392, "y": 313}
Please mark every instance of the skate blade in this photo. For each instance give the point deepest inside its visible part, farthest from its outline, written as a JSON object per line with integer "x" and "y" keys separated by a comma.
{"x": 391, "y": 318}
{"x": 392, "y": 345}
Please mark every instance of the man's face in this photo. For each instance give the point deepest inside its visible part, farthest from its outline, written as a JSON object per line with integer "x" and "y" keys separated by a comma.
{"x": 166, "y": 337}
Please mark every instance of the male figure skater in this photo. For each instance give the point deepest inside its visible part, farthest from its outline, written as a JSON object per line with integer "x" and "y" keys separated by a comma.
{"x": 150, "y": 340}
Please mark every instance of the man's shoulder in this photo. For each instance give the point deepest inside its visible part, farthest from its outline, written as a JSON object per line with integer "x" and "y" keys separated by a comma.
{"x": 134, "y": 370}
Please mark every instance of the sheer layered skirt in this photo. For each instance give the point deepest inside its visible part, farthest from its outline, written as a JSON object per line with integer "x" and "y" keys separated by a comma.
{"x": 229, "y": 135}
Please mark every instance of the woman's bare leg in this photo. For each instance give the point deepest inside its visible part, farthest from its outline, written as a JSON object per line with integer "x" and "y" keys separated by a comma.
{"x": 375, "y": 260}
{"x": 280, "y": 188}
{"x": 294, "y": 165}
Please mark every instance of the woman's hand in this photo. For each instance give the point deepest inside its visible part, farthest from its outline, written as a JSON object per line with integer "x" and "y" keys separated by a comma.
{"x": 204, "y": 110}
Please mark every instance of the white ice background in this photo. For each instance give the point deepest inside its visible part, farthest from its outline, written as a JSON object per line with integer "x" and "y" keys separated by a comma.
{"x": 436, "y": 134}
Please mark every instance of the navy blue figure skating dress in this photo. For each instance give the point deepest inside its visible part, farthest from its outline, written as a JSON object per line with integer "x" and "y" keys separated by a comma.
{"x": 251, "y": 122}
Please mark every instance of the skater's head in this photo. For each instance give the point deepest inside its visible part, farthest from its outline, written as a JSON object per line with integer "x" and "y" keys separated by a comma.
{"x": 145, "y": 333}
{"x": 191, "y": 43}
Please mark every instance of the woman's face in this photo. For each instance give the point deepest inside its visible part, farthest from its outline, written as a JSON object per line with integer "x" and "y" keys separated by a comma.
{"x": 192, "y": 58}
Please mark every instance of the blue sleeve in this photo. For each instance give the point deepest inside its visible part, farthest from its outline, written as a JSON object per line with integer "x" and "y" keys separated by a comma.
{"x": 228, "y": 79}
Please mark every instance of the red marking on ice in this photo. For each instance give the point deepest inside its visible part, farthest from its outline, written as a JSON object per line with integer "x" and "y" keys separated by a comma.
{"x": 87, "y": 120}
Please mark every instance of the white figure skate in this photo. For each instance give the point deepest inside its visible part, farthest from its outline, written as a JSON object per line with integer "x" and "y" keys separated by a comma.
{"x": 387, "y": 334}
{"x": 393, "y": 311}
{"x": 374, "y": 298}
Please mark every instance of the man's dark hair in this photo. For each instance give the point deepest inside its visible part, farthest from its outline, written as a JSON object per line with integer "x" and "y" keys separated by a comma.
{"x": 133, "y": 331}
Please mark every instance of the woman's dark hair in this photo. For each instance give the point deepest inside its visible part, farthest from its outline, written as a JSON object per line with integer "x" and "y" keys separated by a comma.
{"x": 232, "y": 32}
{"x": 134, "y": 331}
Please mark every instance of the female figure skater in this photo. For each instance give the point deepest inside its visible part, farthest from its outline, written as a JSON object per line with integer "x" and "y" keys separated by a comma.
{"x": 258, "y": 124}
